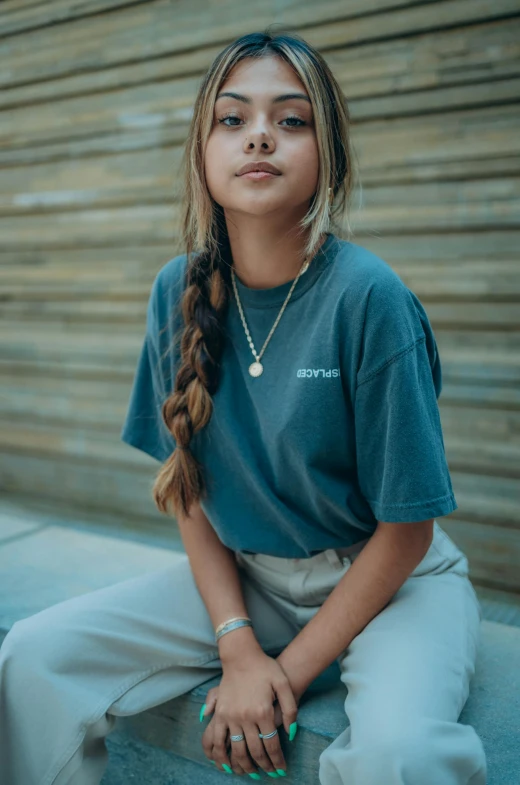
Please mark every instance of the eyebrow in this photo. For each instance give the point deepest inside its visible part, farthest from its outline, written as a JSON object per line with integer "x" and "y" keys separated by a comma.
{"x": 278, "y": 99}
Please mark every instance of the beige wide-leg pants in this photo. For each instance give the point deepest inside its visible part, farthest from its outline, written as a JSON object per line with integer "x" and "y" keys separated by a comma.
{"x": 68, "y": 671}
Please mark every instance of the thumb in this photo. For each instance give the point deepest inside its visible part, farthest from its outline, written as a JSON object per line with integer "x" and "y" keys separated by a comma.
{"x": 289, "y": 708}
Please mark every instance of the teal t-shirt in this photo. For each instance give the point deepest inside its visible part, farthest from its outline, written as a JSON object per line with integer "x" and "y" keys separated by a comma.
{"x": 341, "y": 430}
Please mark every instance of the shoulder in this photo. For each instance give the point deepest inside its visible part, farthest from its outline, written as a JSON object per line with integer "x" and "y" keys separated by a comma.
{"x": 371, "y": 290}
{"x": 171, "y": 276}
{"x": 166, "y": 293}
{"x": 385, "y": 317}
{"x": 365, "y": 278}
{"x": 170, "y": 281}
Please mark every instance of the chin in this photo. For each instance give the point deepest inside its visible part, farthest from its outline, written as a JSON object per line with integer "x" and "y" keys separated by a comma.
{"x": 262, "y": 211}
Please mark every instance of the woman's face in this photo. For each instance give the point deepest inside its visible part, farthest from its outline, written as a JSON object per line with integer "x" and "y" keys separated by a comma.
{"x": 255, "y": 125}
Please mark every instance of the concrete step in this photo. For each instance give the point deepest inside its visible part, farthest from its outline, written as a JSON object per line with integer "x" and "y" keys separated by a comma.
{"x": 46, "y": 558}
{"x": 132, "y": 761}
{"x": 167, "y": 737}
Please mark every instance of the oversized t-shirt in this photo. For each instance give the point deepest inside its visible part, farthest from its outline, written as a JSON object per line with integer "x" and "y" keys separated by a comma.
{"x": 341, "y": 430}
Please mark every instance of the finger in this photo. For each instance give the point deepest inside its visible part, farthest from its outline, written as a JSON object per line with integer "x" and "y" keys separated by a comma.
{"x": 221, "y": 743}
{"x": 272, "y": 745}
{"x": 207, "y": 740}
{"x": 239, "y": 753}
{"x": 287, "y": 702}
{"x": 278, "y": 717}
{"x": 257, "y": 748}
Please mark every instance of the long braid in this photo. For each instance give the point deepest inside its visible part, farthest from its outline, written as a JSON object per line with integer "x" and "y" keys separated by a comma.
{"x": 189, "y": 408}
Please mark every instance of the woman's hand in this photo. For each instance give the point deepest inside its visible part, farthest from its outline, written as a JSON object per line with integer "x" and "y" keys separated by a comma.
{"x": 246, "y": 694}
{"x": 211, "y": 702}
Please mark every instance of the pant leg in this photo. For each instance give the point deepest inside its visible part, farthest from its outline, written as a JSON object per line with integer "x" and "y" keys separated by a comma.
{"x": 68, "y": 671}
{"x": 408, "y": 677}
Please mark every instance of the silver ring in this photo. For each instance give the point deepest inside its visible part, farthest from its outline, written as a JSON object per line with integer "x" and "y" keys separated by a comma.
{"x": 268, "y": 735}
{"x": 237, "y": 738}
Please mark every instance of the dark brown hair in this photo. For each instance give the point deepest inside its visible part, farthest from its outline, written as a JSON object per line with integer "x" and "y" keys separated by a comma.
{"x": 180, "y": 481}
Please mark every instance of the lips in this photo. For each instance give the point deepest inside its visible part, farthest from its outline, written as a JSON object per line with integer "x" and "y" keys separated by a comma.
{"x": 258, "y": 166}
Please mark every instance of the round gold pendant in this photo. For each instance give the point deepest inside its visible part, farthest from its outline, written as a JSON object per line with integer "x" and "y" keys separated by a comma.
{"x": 256, "y": 369}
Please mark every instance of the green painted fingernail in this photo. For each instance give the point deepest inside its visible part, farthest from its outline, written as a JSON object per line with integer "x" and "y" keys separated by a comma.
{"x": 201, "y": 715}
{"x": 292, "y": 730}
{"x": 254, "y": 775}
{"x": 271, "y": 774}
{"x": 226, "y": 768}
{"x": 282, "y": 772}
{"x": 213, "y": 761}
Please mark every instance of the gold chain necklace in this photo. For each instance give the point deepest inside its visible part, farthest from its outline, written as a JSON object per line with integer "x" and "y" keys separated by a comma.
{"x": 256, "y": 368}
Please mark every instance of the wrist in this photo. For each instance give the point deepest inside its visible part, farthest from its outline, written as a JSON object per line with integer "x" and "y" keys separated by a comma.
{"x": 297, "y": 686}
{"x": 237, "y": 644}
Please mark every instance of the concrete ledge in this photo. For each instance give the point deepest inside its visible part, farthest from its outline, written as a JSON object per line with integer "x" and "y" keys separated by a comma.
{"x": 493, "y": 709}
{"x": 44, "y": 560}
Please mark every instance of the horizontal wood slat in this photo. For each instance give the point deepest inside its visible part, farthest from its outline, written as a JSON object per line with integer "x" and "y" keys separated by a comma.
{"x": 101, "y": 484}
{"x": 20, "y": 16}
{"x": 491, "y": 394}
{"x": 493, "y": 556}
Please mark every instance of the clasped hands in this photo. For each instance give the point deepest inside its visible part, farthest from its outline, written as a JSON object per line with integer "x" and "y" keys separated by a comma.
{"x": 254, "y": 696}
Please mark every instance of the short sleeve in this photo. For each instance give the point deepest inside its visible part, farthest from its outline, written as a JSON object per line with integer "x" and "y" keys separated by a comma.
{"x": 144, "y": 427}
{"x": 401, "y": 461}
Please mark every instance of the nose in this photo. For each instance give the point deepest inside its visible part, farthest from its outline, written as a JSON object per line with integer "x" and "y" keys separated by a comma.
{"x": 259, "y": 136}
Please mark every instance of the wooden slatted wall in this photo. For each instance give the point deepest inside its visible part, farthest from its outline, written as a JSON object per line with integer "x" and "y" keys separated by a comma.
{"x": 94, "y": 112}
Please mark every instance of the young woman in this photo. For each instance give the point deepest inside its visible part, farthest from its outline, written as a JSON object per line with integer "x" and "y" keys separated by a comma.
{"x": 288, "y": 384}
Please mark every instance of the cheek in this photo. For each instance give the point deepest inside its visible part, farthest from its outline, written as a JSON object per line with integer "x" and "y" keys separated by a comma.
{"x": 216, "y": 173}
{"x": 307, "y": 154}
{"x": 304, "y": 165}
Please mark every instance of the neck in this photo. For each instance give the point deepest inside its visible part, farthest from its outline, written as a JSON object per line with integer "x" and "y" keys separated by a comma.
{"x": 263, "y": 259}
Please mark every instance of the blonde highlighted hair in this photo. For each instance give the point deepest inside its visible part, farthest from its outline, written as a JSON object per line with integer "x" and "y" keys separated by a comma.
{"x": 180, "y": 481}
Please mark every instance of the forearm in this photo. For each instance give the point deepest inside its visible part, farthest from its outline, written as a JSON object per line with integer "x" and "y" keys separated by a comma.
{"x": 367, "y": 587}
{"x": 215, "y": 572}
